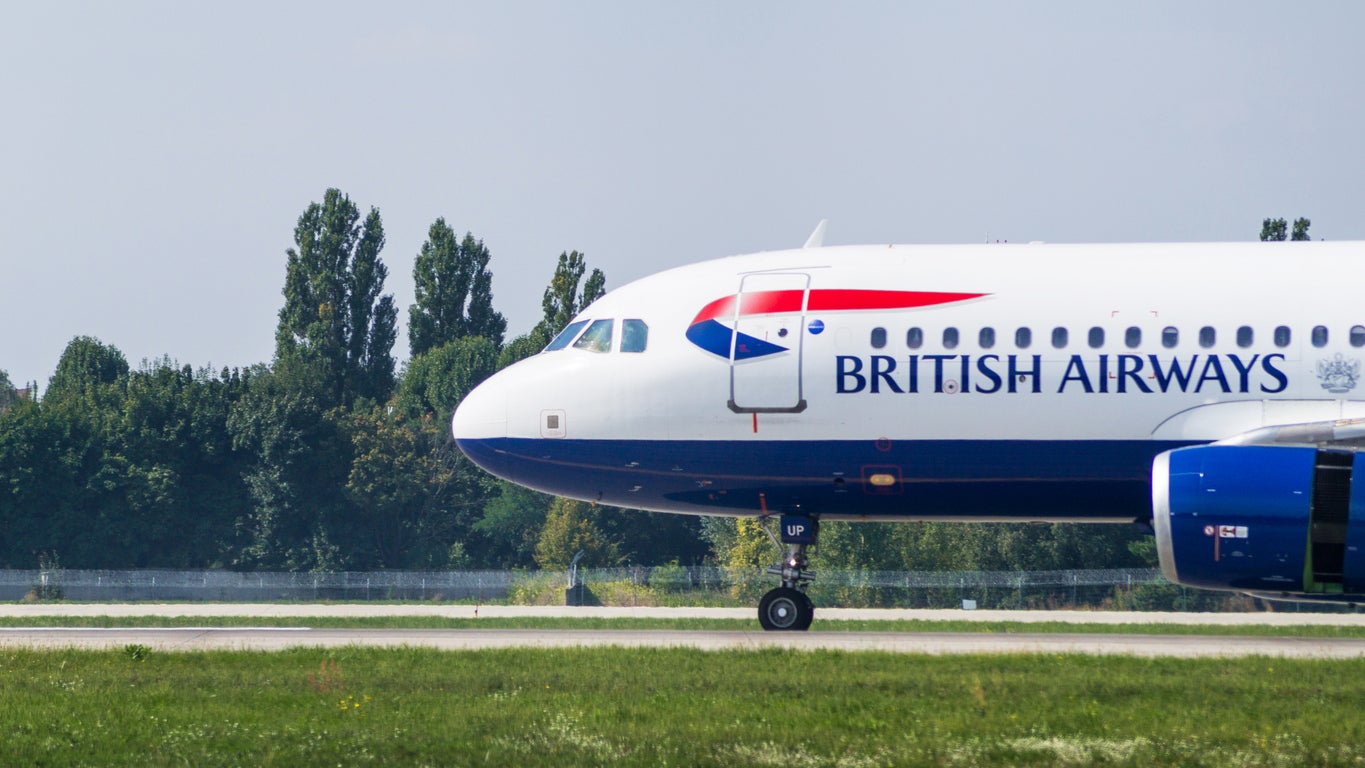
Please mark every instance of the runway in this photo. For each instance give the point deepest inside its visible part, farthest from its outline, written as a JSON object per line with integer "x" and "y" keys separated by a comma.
{"x": 266, "y": 637}
{"x": 468, "y": 611}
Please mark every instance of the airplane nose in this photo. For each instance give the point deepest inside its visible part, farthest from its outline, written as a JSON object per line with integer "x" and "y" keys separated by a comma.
{"x": 481, "y": 415}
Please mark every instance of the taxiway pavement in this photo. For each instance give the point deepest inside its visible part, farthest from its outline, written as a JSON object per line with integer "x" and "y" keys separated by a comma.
{"x": 266, "y": 637}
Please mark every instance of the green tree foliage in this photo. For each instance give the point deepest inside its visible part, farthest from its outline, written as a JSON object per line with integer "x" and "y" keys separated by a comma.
{"x": 510, "y": 526}
{"x": 86, "y": 367}
{"x": 435, "y": 382}
{"x": 976, "y": 547}
{"x": 8, "y": 394}
{"x": 396, "y": 482}
{"x": 651, "y": 538}
{"x": 120, "y": 469}
{"x": 563, "y": 299}
{"x": 1277, "y": 230}
{"x": 522, "y": 347}
{"x": 334, "y": 317}
{"x": 299, "y": 462}
{"x": 454, "y": 292}
{"x": 571, "y": 526}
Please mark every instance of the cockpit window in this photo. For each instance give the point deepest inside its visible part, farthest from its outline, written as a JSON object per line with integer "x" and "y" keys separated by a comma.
{"x": 565, "y": 336}
{"x": 634, "y": 335}
{"x": 597, "y": 338}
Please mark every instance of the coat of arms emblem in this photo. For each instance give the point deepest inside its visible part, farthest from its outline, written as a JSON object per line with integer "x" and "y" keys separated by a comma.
{"x": 1338, "y": 375}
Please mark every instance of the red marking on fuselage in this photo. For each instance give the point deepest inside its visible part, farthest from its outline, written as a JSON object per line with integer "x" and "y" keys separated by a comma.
{"x": 825, "y": 300}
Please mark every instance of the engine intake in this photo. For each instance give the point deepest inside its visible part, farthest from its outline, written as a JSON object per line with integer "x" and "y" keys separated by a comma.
{"x": 1277, "y": 521}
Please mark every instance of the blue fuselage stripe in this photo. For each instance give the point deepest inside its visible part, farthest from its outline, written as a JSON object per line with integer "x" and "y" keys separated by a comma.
{"x": 1091, "y": 480}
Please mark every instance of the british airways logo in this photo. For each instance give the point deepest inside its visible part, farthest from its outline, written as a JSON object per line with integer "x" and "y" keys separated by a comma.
{"x": 709, "y": 331}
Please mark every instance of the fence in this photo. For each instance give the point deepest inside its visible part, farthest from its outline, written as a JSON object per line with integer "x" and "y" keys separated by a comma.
{"x": 664, "y": 585}
{"x": 231, "y": 586}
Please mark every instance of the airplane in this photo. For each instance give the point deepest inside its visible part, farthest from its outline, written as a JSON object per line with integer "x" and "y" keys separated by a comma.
{"x": 1209, "y": 392}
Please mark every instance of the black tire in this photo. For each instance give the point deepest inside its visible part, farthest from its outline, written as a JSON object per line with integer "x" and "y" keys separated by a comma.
{"x": 807, "y": 612}
{"x": 785, "y": 610}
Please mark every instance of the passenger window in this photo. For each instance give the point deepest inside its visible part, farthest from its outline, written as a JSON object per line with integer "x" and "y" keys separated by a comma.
{"x": 1132, "y": 337}
{"x": 1022, "y": 338}
{"x": 1170, "y": 336}
{"x": 1358, "y": 335}
{"x": 634, "y": 335}
{"x": 597, "y": 338}
{"x": 1319, "y": 335}
{"x": 1207, "y": 337}
{"x": 1059, "y": 338}
{"x": 1096, "y": 337}
{"x": 914, "y": 338}
{"x": 949, "y": 338}
{"x": 986, "y": 338}
{"x": 1244, "y": 336}
{"x": 1281, "y": 335}
{"x": 878, "y": 338}
{"x": 565, "y": 336}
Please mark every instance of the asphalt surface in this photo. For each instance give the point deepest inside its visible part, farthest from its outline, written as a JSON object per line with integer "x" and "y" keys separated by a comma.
{"x": 265, "y": 611}
{"x": 265, "y": 637}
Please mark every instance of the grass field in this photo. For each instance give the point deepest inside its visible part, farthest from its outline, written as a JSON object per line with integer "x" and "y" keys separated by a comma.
{"x": 821, "y": 625}
{"x": 530, "y": 707}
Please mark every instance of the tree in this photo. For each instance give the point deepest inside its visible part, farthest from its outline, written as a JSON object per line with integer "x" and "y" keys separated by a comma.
{"x": 395, "y": 479}
{"x": 563, "y": 299}
{"x": 86, "y": 365}
{"x": 523, "y": 347}
{"x": 570, "y": 526}
{"x": 333, "y": 315}
{"x": 300, "y": 459}
{"x": 7, "y": 392}
{"x": 454, "y": 292}
{"x": 437, "y": 380}
{"x": 1275, "y": 230}
{"x": 510, "y": 527}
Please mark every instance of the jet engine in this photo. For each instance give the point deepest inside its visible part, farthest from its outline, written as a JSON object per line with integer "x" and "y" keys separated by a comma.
{"x": 1276, "y": 521}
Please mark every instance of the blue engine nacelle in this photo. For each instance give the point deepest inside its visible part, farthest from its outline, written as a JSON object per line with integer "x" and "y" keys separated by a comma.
{"x": 1275, "y": 521}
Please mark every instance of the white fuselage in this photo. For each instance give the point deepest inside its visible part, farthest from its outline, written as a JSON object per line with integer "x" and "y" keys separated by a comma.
{"x": 901, "y": 406}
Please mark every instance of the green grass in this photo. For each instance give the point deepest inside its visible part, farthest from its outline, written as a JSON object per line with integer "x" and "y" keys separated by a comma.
{"x": 528, "y": 707}
{"x": 821, "y": 625}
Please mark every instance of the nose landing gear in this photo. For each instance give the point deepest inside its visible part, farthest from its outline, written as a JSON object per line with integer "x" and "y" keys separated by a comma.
{"x": 788, "y": 607}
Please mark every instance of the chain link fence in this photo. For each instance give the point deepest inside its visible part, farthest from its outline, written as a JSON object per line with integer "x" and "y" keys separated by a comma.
{"x": 1131, "y": 589}
{"x": 233, "y": 587}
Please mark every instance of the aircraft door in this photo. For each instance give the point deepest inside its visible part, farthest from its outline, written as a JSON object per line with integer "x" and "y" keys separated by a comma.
{"x": 766, "y": 348}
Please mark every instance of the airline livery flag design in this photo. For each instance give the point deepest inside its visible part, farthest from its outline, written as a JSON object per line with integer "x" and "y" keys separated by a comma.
{"x": 708, "y": 330}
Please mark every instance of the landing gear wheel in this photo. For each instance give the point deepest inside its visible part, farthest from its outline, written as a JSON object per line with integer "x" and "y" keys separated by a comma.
{"x": 785, "y": 608}
{"x": 807, "y": 613}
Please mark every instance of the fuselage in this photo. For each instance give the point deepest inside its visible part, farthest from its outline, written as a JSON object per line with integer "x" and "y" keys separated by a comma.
{"x": 995, "y": 382}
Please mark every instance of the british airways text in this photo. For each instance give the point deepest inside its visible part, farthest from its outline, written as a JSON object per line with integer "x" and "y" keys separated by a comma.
{"x": 1102, "y": 374}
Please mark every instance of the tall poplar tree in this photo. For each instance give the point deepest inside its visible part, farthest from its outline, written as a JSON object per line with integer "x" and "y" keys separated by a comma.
{"x": 563, "y": 299}
{"x": 7, "y": 391}
{"x": 334, "y": 316}
{"x": 454, "y": 292}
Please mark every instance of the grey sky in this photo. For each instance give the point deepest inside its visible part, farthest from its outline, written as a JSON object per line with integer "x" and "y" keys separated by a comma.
{"x": 155, "y": 156}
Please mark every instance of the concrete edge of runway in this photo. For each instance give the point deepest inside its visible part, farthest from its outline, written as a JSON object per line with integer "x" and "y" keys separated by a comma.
{"x": 268, "y": 611}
